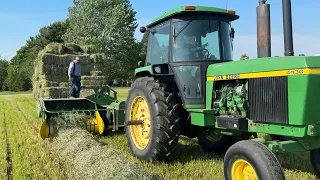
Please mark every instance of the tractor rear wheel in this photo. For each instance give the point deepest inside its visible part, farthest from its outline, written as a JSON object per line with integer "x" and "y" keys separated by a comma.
{"x": 152, "y": 120}
{"x": 252, "y": 160}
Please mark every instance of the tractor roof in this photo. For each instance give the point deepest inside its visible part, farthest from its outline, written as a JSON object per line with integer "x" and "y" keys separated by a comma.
{"x": 193, "y": 9}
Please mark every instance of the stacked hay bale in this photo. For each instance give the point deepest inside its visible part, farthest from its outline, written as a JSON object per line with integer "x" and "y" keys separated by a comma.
{"x": 50, "y": 79}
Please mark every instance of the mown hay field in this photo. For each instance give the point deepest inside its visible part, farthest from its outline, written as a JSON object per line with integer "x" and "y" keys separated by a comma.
{"x": 29, "y": 157}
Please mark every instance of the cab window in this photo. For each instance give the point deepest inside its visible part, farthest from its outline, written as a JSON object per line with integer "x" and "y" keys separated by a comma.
{"x": 158, "y": 44}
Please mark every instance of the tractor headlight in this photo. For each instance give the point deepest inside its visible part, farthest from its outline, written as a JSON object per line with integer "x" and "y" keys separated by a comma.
{"x": 157, "y": 69}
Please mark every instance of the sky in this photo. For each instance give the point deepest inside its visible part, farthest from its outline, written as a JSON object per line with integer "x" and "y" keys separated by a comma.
{"x": 21, "y": 19}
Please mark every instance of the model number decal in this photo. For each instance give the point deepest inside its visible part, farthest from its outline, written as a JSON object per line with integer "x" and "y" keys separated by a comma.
{"x": 218, "y": 78}
{"x": 233, "y": 76}
{"x": 295, "y": 71}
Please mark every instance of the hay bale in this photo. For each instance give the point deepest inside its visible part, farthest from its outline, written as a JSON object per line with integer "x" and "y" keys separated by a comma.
{"x": 72, "y": 48}
{"x": 92, "y": 160}
{"x": 89, "y": 49}
{"x": 91, "y": 83}
{"x": 96, "y": 73}
{"x": 56, "y": 66}
{"x": 95, "y": 78}
{"x": 86, "y": 92}
{"x": 55, "y": 48}
{"x": 50, "y": 79}
{"x": 54, "y": 92}
{"x": 64, "y": 84}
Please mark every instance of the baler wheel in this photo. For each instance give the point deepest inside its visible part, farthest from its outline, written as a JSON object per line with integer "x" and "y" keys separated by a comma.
{"x": 94, "y": 126}
{"x": 251, "y": 160}
{"x": 154, "y": 137}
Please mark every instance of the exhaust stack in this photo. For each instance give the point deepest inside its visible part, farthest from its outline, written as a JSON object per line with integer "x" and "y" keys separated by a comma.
{"x": 263, "y": 29}
{"x": 287, "y": 28}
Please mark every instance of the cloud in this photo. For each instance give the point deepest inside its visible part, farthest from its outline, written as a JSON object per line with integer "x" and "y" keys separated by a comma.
{"x": 302, "y": 44}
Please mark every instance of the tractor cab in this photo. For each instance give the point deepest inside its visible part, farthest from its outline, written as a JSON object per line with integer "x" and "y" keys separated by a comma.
{"x": 181, "y": 45}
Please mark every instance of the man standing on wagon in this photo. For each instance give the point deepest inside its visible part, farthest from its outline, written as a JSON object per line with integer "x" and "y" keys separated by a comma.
{"x": 74, "y": 73}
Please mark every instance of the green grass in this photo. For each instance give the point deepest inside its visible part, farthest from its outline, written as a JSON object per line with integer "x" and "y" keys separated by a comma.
{"x": 122, "y": 92}
{"x": 31, "y": 156}
{"x": 14, "y": 93}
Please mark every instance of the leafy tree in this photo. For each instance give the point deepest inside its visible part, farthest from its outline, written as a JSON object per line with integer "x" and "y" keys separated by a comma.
{"x": 244, "y": 57}
{"x": 22, "y": 64}
{"x": 49, "y": 34}
{"x": 110, "y": 26}
{"x": 3, "y": 72}
{"x": 17, "y": 79}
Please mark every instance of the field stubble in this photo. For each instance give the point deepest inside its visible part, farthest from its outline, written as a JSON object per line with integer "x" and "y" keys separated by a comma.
{"x": 34, "y": 158}
{"x": 31, "y": 158}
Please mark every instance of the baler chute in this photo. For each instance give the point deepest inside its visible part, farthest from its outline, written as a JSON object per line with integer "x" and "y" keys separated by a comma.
{"x": 104, "y": 109}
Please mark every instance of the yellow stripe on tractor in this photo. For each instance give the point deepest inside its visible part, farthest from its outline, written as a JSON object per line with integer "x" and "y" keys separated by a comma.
{"x": 290, "y": 72}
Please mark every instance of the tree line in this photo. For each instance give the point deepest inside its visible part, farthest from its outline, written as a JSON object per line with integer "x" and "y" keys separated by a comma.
{"x": 108, "y": 25}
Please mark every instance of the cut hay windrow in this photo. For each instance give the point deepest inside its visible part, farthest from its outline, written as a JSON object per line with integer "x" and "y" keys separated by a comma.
{"x": 89, "y": 158}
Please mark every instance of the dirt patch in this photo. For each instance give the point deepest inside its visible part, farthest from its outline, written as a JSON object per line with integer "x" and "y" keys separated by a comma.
{"x": 91, "y": 159}
{"x": 8, "y": 149}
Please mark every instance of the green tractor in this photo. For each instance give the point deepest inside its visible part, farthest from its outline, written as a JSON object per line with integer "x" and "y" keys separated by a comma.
{"x": 190, "y": 86}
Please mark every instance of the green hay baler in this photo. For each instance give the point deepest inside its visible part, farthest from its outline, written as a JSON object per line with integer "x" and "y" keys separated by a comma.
{"x": 106, "y": 111}
{"x": 189, "y": 85}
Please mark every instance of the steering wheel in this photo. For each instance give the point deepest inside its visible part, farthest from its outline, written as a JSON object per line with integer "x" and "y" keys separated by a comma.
{"x": 206, "y": 53}
{"x": 202, "y": 52}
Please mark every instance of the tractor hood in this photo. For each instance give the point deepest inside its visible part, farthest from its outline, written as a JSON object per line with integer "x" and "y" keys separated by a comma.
{"x": 271, "y": 66}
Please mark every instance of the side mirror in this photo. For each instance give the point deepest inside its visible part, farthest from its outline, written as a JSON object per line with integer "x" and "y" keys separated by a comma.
{"x": 140, "y": 64}
{"x": 143, "y": 29}
{"x": 232, "y": 33}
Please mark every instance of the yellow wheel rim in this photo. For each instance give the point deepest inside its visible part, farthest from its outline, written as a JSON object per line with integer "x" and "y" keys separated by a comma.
{"x": 96, "y": 125}
{"x": 46, "y": 130}
{"x": 140, "y": 133}
{"x": 243, "y": 170}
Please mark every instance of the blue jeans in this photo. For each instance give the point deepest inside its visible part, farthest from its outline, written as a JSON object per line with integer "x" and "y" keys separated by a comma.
{"x": 75, "y": 86}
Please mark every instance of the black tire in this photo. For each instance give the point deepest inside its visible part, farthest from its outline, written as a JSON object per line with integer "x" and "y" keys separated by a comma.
{"x": 315, "y": 161}
{"x": 164, "y": 117}
{"x": 216, "y": 144}
{"x": 263, "y": 161}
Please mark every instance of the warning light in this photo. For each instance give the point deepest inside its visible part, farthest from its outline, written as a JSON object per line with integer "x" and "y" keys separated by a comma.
{"x": 190, "y": 8}
{"x": 231, "y": 12}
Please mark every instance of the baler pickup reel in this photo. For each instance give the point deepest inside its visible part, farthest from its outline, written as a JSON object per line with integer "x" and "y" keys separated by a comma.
{"x": 100, "y": 110}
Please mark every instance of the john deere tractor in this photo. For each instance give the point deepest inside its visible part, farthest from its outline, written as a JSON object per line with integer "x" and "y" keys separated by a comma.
{"x": 190, "y": 86}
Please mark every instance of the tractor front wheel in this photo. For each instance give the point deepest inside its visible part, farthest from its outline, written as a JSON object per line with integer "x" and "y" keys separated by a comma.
{"x": 252, "y": 160}
{"x": 152, "y": 120}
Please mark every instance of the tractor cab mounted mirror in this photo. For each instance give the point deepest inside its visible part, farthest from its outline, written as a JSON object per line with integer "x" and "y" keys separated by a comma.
{"x": 143, "y": 29}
